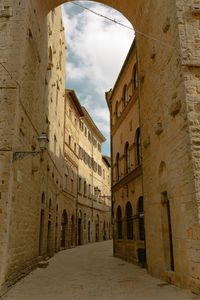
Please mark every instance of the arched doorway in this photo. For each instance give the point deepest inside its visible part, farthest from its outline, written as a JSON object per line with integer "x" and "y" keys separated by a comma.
{"x": 63, "y": 232}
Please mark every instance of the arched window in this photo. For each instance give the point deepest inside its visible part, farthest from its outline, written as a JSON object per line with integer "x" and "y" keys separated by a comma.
{"x": 126, "y": 94}
{"x": 129, "y": 221}
{"x": 117, "y": 166}
{"x": 135, "y": 77}
{"x": 127, "y": 158}
{"x": 119, "y": 222}
{"x": 140, "y": 211}
{"x": 137, "y": 147}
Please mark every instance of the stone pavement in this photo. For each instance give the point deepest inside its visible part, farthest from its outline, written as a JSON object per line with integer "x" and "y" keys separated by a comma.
{"x": 91, "y": 273}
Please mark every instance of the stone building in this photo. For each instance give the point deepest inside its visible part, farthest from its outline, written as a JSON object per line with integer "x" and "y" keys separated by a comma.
{"x": 83, "y": 142}
{"x": 31, "y": 178}
{"x": 168, "y": 56}
{"x": 38, "y": 167}
{"x": 126, "y": 161}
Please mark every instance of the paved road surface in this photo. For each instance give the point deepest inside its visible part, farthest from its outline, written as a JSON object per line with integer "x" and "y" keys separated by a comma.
{"x": 91, "y": 273}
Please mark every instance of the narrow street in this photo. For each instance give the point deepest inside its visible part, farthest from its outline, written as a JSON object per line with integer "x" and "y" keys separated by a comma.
{"x": 90, "y": 272}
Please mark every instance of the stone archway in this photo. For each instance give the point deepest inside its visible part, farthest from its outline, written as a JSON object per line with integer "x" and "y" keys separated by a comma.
{"x": 168, "y": 61}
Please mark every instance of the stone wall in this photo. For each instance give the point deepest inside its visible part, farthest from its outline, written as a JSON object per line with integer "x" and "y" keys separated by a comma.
{"x": 168, "y": 59}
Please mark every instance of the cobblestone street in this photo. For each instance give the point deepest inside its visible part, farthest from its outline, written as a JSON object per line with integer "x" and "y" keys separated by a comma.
{"x": 90, "y": 273}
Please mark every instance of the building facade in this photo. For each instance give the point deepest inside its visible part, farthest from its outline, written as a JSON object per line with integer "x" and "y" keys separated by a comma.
{"x": 39, "y": 191}
{"x": 127, "y": 193}
{"x": 93, "y": 197}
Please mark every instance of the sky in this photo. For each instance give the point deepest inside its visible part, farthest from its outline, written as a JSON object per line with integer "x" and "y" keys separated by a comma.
{"x": 96, "y": 50}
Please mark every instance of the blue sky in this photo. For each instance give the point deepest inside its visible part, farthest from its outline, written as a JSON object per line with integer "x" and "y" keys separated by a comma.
{"x": 96, "y": 50}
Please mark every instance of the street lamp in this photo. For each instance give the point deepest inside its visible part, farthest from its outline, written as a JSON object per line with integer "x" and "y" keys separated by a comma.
{"x": 43, "y": 141}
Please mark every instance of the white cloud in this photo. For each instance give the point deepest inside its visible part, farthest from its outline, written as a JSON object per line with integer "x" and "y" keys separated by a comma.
{"x": 96, "y": 51}
{"x": 98, "y": 46}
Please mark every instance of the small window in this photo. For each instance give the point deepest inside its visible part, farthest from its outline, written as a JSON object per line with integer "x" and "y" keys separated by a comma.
{"x": 80, "y": 184}
{"x": 99, "y": 147}
{"x": 127, "y": 158}
{"x": 137, "y": 147}
{"x": 117, "y": 167}
{"x": 135, "y": 77}
{"x": 85, "y": 188}
{"x": 72, "y": 185}
{"x": 66, "y": 181}
{"x": 70, "y": 140}
{"x": 126, "y": 99}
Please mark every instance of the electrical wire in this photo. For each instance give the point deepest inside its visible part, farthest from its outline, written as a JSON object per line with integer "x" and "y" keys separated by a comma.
{"x": 123, "y": 25}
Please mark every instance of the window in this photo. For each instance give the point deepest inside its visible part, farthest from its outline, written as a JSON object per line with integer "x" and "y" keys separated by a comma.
{"x": 75, "y": 147}
{"x": 85, "y": 188}
{"x": 127, "y": 158}
{"x": 117, "y": 167}
{"x": 94, "y": 142}
{"x": 80, "y": 184}
{"x": 70, "y": 140}
{"x": 81, "y": 125}
{"x": 119, "y": 222}
{"x": 66, "y": 181}
{"x": 72, "y": 181}
{"x": 103, "y": 174}
{"x": 72, "y": 185}
{"x": 89, "y": 136}
{"x": 129, "y": 221}
{"x": 135, "y": 77}
{"x": 85, "y": 131}
{"x": 126, "y": 94}
{"x": 137, "y": 147}
{"x": 70, "y": 113}
{"x": 43, "y": 198}
{"x": 99, "y": 170}
{"x": 99, "y": 147}
{"x": 89, "y": 190}
{"x": 117, "y": 110}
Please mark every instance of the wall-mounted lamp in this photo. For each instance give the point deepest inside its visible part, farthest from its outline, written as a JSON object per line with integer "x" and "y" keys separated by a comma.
{"x": 43, "y": 141}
